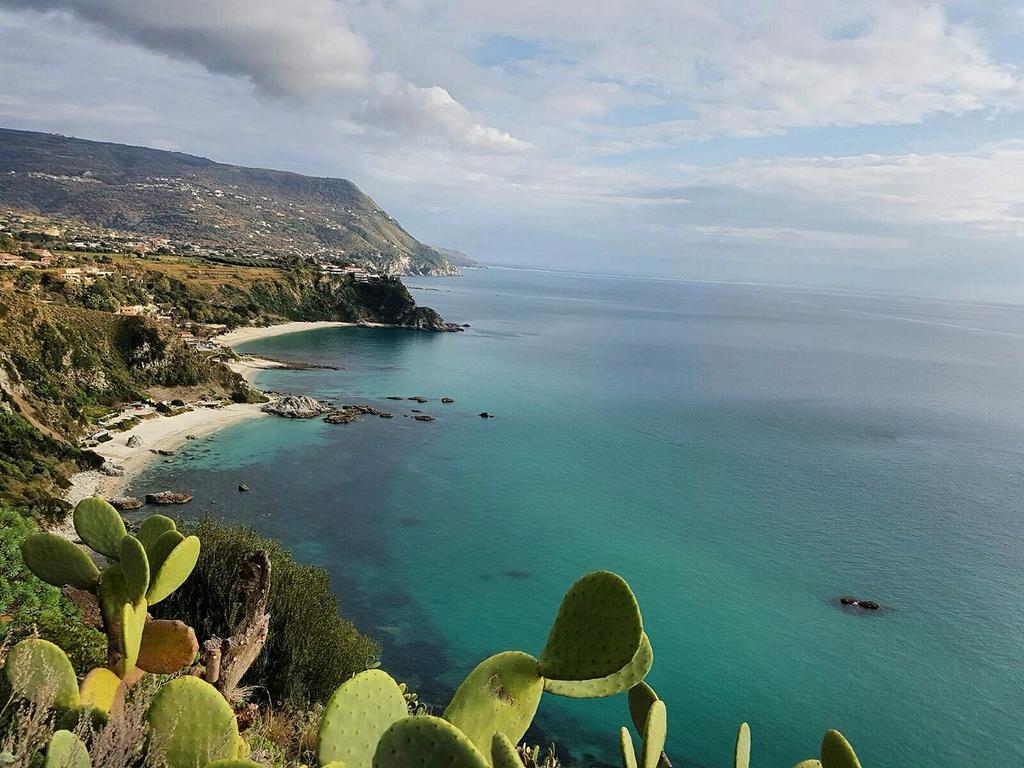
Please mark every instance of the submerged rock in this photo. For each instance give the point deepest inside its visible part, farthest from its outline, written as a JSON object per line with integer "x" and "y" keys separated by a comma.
{"x": 424, "y": 417}
{"x": 349, "y": 413}
{"x": 486, "y": 415}
{"x": 296, "y": 407}
{"x": 168, "y": 497}
{"x": 447, "y": 400}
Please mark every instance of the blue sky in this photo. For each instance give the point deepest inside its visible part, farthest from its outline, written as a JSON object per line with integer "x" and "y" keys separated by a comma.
{"x": 873, "y": 145}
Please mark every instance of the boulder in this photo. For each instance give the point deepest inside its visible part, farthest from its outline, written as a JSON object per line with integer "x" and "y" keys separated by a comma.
{"x": 486, "y": 415}
{"x": 868, "y": 605}
{"x": 134, "y": 441}
{"x": 419, "y": 399}
{"x": 243, "y": 488}
{"x": 847, "y": 600}
{"x": 447, "y": 400}
{"x": 168, "y": 497}
{"x": 424, "y": 417}
{"x": 126, "y": 503}
{"x": 111, "y": 470}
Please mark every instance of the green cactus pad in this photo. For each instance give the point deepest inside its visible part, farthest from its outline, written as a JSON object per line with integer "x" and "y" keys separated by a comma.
{"x": 161, "y": 548}
{"x": 191, "y": 724}
{"x": 174, "y": 568}
{"x": 356, "y": 716}
{"x": 500, "y": 696}
{"x": 334, "y": 764}
{"x": 626, "y": 749}
{"x": 836, "y": 752}
{"x": 641, "y": 696}
{"x": 133, "y": 619}
{"x": 741, "y": 753}
{"x": 66, "y": 750}
{"x": 597, "y": 632}
{"x": 233, "y": 762}
{"x": 812, "y": 763}
{"x": 167, "y": 646}
{"x": 39, "y": 670}
{"x": 113, "y": 593}
{"x": 503, "y": 753}
{"x": 623, "y": 680}
{"x": 58, "y": 561}
{"x": 93, "y": 718}
{"x": 100, "y": 688}
{"x": 426, "y": 742}
{"x": 100, "y": 526}
{"x": 655, "y": 732}
{"x": 153, "y": 528}
{"x": 135, "y": 566}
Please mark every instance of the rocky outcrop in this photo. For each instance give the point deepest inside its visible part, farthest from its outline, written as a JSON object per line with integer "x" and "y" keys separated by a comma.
{"x": 168, "y": 497}
{"x": 349, "y": 413}
{"x": 426, "y": 319}
{"x": 852, "y": 602}
{"x": 126, "y": 503}
{"x": 296, "y": 407}
{"x": 134, "y": 441}
{"x": 111, "y": 470}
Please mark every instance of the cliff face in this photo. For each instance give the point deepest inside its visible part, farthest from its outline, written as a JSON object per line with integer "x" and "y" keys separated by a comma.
{"x": 243, "y": 211}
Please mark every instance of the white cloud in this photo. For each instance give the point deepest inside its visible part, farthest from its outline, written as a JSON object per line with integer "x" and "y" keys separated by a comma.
{"x": 972, "y": 193}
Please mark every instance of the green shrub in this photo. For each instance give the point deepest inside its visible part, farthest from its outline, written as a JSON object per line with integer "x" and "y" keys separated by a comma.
{"x": 311, "y": 649}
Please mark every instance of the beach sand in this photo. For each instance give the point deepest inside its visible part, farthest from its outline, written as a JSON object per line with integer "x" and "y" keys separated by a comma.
{"x": 252, "y": 332}
{"x": 164, "y": 433}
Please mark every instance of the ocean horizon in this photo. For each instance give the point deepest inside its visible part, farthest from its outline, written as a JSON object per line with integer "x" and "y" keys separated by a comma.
{"x": 743, "y": 454}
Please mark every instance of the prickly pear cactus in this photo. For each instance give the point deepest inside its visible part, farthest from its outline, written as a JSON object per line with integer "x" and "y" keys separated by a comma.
{"x": 100, "y": 526}
{"x": 626, "y": 749}
{"x": 101, "y": 689}
{"x": 174, "y": 567}
{"x": 500, "y": 696}
{"x": 161, "y": 548}
{"x": 357, "y": 715}
{"x": 135, "y": 567}
{"x": 812, "y": 763}
{"x": 167, "y": 646}
{"x": 741, "y": 753}
{"x": 503, "y": 753}
{"x": 39, "y": 670}
{"x": 66, "y": 750}
{"x": 191, "y": 724}
{"x": 624, "y": 679}
{"x": 153, "y": 528}
{"x": 58, "y": 561}
{"x": 640, "y": 698}
{"x": 426, "y": 742}
{"x": 836, "y": 751}
{"x": 655, "y": 732}
{"x": 597, "y": 632}
{"x": 233, "y": 763}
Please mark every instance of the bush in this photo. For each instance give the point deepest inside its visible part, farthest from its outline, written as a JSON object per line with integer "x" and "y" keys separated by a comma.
{"x": 311, "y": 649}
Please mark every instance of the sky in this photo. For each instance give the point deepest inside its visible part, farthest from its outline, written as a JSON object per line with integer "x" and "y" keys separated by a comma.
{"x": 868, "y": 145}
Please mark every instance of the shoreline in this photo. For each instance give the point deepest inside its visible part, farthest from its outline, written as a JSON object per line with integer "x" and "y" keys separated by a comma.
{"x": 167, "y": 433}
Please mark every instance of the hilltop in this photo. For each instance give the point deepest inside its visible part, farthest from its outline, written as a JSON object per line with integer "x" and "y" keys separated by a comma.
{"x": 228, "y": 211}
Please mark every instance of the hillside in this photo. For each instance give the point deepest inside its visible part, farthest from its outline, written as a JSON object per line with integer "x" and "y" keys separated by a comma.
{"x": 237, "y": 211}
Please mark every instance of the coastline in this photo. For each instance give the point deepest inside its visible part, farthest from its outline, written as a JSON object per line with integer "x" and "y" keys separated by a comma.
{"x": 167, "y": 433}
{"x": 160, "y": 434}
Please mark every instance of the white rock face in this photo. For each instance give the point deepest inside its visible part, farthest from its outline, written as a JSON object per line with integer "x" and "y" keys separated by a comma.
{"x": 296, "y": 407}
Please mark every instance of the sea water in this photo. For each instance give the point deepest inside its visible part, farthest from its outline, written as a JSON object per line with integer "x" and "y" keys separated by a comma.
{"x": 742, "y": 455}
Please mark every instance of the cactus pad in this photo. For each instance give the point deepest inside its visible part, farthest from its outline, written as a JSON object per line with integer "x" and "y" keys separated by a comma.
{"x": 66, "y": 750}
{"x": 167, "y": 646}
{"x": 233, "y": 762}
{"x": 58, "y": 561}
{"x": 500, "y": 696}
{"x": 641, "y": 696}
{"x": 812, "y": 763}
{"x": 357, "y": 715}
{"x": 741, "y": 753}
{"x": 133, "y": 619}
{"x": 191, "y": 723}
{"x": 620, "y": 681}
{"x": 100, "y": 689}
{"x": 597, "y": 631}
{"x": 836, "y": 752}
{"x": 174, "y": 567}
{"x": 135, "y": 567}
{"x": 626, "y": 749}
{"x": 40, "y": 671}
{"x": 161, "y": 548}
{"x": 655, "y": 732}
{"x": 99, "y": 525}
{"x": 426, "y": 742}
{"x": 153, "y": 528}
{"x": 503, "y": 753}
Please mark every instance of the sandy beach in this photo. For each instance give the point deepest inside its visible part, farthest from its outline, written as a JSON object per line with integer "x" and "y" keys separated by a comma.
{"x": 252, "y": 332}
{"x": 163, "y": 433}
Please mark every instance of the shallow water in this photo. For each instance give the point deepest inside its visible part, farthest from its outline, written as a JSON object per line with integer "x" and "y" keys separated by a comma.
{"x": 742, "y": 455}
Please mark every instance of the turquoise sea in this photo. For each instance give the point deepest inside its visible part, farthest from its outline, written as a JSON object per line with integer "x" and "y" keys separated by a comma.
{"x": 742, "y": 455}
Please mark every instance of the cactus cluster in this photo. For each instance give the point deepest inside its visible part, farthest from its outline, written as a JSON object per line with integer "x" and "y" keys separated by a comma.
{"x": 596, "y": 647}
{"x": 141, "y": 571}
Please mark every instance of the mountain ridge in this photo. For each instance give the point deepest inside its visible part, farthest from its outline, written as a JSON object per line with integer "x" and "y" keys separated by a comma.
{"x": 236, "y": 210}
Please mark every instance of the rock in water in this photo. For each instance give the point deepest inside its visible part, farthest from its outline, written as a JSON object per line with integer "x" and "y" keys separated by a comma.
{"x": 424, "y": 417}
{"x": 447, "y": 400}
{"x": 486, "y": 415}
{"x": 243, "y": 488}
{"x": 296, "y": 407}
{"x": 168, "y": 497}
{"x": 126, "y": 503}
